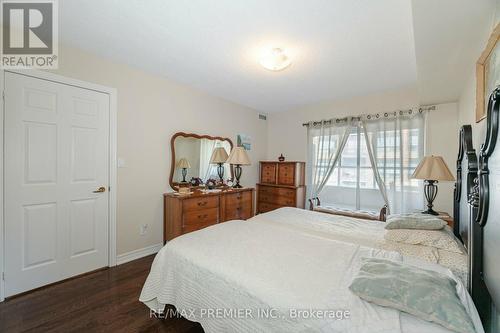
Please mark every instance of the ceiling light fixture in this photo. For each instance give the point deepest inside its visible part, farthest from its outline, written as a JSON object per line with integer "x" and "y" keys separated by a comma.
{"x": 275, "y": 60}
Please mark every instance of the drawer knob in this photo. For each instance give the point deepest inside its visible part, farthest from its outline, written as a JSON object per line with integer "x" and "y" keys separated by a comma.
{"x": 202, "y": 216}
{"x": 202, "y": 203}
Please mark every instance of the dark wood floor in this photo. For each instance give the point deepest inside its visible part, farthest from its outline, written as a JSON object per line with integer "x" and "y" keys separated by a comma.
{"x": 104, "y": 301}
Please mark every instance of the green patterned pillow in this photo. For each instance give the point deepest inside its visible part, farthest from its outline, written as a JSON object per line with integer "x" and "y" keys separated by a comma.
{"x": 414, "y": 221}
{"x": 425, "y": 294}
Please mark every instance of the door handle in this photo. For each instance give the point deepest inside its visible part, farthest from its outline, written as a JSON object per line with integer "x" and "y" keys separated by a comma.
{"x": 100, "y": 190}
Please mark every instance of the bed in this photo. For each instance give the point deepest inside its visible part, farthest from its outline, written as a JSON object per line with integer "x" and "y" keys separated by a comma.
{"x": 364, "y": 233}
{"x": 258, "y": 264}
{"x": 289, "y": 270}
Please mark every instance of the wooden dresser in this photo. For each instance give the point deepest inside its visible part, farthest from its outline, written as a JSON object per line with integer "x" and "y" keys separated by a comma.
{"x": 186, "y": 213}
{"x": 281, "y": 185}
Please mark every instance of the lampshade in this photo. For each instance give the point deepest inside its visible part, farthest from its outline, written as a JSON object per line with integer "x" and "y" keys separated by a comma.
{"x": 433, "y": 168}
{"x": 219, "y": 155}
{"x": 238, "y": 156}
{"x": 183, "y": 164}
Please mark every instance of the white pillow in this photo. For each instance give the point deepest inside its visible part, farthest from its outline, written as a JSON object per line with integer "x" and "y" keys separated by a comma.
{"x": 441, "y": 239}
{"x": 414, "y": 221}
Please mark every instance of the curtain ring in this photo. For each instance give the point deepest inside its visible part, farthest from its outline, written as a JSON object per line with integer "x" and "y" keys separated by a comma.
{"x": 386, "y": 114}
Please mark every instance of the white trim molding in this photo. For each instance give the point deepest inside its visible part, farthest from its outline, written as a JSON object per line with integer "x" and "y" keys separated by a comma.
{"x": 112, "y": 92}
{"x": 138, "y": 254}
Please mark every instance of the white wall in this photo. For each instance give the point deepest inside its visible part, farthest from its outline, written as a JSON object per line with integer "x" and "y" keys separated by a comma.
{"x": 442, "y": 139}
{"x": 150, "y": 110}
{"x": 288, "y": 136}
{"x": 467, "y": 100}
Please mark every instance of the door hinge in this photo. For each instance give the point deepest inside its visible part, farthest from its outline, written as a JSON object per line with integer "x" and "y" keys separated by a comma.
{"x": 3, "y": 95}
{"x": 3, "y": 276}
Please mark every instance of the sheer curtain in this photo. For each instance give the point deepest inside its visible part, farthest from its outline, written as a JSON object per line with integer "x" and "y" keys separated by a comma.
{"x": 326, "y": 140}
{"x": 395, "y": 143}
{"x": 206, "y": 149}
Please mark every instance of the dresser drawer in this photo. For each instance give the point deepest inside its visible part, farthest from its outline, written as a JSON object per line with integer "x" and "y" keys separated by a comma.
{"x": 238, "y": 198}
{"x": 277, "y": 200}
{"x": 268, "y": 173}
{"x": 196, "y": 204}
{"x": 240, "y": 211}
{"x": 277, "y": 196}
{"x": 277, "y": 191}
{"x": 238, "y": 206}
{"x": 194, "y": 227}
{"x": 200, "y": 219}
{"x": 265, "y": 207}
{"x": 286, "y": 174}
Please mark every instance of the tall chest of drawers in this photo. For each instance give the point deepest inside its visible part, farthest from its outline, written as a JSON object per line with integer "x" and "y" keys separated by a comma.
{"x": 186, "y": 213}
{"x": 281, "y": 185}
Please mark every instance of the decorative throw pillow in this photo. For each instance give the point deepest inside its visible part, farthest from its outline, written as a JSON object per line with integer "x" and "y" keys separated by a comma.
{"x": 414, "y": 221}
{"x": 428, "y": 295}
{"x": 440, "y": 239}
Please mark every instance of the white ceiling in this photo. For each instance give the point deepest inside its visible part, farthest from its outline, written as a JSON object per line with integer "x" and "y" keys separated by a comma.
{"x": 340, "y": 48}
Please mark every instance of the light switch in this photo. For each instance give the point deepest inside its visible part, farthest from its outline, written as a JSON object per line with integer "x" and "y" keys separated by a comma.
{"x": 120, "y": 163}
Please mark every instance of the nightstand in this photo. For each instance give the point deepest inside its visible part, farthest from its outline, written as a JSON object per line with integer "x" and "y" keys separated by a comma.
{"x": 446, "y": 217}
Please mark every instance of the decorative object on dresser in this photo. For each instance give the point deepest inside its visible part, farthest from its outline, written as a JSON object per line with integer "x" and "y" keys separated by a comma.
{"x": 281, "y": 158}
{"x": 281, "y": 185}
{"x": 219, "y": 157}
{"x": 238, "y": 157}
{"x": 186, "y": 213}
{"x": 184, "y": 165}
{"x": 432, "y": 169}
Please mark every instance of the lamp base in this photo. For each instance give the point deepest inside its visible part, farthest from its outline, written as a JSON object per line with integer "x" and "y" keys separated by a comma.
{"x": 430, "y": 212}
{"x": 237, "y": 174}
{"x": 220, "y": 172}
{"x": 430, "y": 192}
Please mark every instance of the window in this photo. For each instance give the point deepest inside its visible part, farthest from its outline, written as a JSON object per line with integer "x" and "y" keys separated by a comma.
{"x": 397, "y": 146}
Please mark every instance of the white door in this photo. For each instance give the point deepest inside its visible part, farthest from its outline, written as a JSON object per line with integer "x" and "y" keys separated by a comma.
{"x": 56, "y": 156}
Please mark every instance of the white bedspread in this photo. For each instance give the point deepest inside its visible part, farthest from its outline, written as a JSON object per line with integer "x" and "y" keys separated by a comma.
{"x": 362, "y": 232}
{"x": 251, "y": 266}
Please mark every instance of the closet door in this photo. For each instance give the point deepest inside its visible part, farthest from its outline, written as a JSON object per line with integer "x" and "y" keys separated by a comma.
{"x": 56, "y": 181}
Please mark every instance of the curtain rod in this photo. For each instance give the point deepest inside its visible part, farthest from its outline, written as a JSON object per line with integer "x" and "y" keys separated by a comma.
{"x": 423, "y": 108}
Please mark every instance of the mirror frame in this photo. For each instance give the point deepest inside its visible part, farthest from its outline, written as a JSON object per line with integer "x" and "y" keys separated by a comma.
{"x": 196, "y": 136}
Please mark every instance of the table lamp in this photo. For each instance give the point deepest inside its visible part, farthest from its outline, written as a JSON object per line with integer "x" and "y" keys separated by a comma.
{"x": 238, "y": 157}
{"x": 432, "y": 169}
{"x": 219, "y": 157}
{"x": 184, "y": 165}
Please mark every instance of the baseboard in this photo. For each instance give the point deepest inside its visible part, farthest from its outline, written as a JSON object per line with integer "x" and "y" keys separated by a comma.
{"x": 137, "y": 254}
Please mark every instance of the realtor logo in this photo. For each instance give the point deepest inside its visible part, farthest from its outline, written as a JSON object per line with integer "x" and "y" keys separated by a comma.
{"x": 29, "y": 38}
